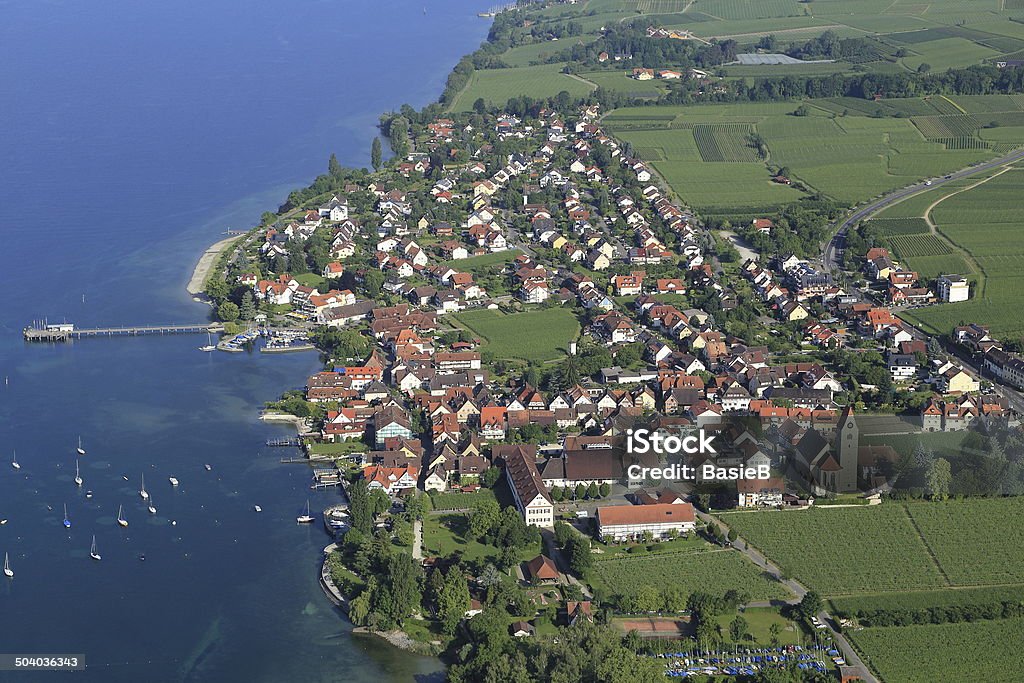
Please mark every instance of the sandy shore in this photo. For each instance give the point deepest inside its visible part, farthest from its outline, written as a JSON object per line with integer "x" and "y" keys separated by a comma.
{"x": 206, "y": 263}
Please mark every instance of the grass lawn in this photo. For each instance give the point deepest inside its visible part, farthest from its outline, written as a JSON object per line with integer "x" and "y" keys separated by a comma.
{"x": 496, "y": 86}
{"x": 690, "y": 543}
{"x": 538, "y": 335}
{"x": 447, "y": 534}
{"x": 456, "y": 500}
{"x": 312, "y": 280}
{"x": 759, "y": 623}
{"x": 475, "y": 264}
{"x": 340, "y": 448}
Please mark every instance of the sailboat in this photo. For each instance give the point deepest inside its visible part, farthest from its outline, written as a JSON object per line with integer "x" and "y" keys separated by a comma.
{"x": 142, "y": 489}
{"x": 173, "y": 480}
{"x": 210, "y": 346}
{"x": 67, "y": 522}
{"x": 92, "y": 550}
{"x": 14, "y": 461}
{"x": 8, "y": 572}
{"x": 81, "y": 451}
{"x": 120, "y": 516}
{"x": 78, "y": 475}
{"x": 152, "y": 507}
{"x": 306, "y": 518}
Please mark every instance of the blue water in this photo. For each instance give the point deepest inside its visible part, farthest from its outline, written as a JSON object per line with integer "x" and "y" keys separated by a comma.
{"x": 131, "y": 136}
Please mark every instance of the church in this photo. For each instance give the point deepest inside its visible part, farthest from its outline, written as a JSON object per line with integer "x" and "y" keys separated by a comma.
{"x": 830, "y": 467}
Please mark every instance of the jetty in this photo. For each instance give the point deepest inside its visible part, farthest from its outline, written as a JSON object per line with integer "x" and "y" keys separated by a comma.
{"x": 67, "y": 331}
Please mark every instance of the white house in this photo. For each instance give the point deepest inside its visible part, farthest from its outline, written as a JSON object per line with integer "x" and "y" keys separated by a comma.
{"x": 625, "y": 522}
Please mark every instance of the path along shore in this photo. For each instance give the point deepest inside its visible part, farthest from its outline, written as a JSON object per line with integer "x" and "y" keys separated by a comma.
{"x": 206, "y": 263}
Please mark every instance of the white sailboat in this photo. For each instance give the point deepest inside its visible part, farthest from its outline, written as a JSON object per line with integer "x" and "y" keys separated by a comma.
{"x": 78, "y": 475}
{"x": 67, "y": 522}
{"x": 8, "y": 572}
{"x": 81, "y": 451}
{"x": 92, "y": 550}
{"x": 210, "y": 346}
{"x": 257, "y": 508}
{"x": 306, "y": 518}
{"x": 174, "y": 482}
{"x": 142, "y": 489}
{"x": 152, "y": 507}
{"x": 120, "y": 516}
{"x": 14, "y": 461}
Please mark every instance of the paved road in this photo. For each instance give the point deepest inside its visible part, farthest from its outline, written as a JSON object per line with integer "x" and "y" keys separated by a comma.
{"x": 830, "y": 257}
{"x": 853, "y": 660}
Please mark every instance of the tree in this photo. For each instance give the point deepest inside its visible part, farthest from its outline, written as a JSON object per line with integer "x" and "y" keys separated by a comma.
{"x": 247, "y": 311}
{"x": 360, "y": 507}
{"x": 373, "y": 282}
{"x": 938, "y": 479}
{"x": 774, "y": 630}
{"x": 580, "y": 491}
{"x": 738, "y": 629}
{"x": 227, "y": 311}
{"x": 809, "y": 605}
{"x": 579, "y": 554}
{"x": 563, "y": 532}
{"x": 479, "y": 106}
{"x": 484, "y": 519}
{"x": 333, "y": 167}
{"x": 605, "y": 489}
{"x": 376, "y": 154}
{"x": 592, "y": 491}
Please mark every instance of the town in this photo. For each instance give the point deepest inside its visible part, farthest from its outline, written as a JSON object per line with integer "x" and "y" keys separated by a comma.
{"x": 500, "y": 306}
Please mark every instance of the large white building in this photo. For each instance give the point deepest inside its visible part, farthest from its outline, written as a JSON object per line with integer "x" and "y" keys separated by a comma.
{"x": 953, "y": 288}
{"x": 531, "y": 496}
{"x": 626, "y": 522}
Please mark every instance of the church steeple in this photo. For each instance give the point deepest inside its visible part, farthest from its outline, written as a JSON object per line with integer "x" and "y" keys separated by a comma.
{"x": 847, "y": 446}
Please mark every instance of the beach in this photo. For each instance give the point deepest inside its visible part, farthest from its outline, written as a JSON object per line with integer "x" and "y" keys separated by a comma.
{"x": 206, "y": 263}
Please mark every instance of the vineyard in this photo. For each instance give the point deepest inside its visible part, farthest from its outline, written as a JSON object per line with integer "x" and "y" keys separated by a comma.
{"x": 887, "y": 227}
{"x": 923, "y": 600}
{"x": 978, "y": 651}
{"x": 725, "y": 142}
{"x": 938, "y": 127}
{"x": 713, "y": 571}
{"x": 893, "y": 547}
{"x": 909, "y": 246}
{"x": 845, "y": 550}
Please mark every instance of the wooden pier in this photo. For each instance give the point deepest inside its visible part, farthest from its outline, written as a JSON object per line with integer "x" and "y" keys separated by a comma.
{"x": 284, "y": 441}
{"x": 67, "y": 332}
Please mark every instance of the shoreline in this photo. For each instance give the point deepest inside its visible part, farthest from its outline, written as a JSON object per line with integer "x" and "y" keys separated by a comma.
{"x": 205, "y": 265}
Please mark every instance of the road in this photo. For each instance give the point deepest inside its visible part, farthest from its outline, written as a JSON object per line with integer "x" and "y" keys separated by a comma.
{"x": 854, "y": 664}
{"x": 832, "y": 256}
{"x": 833, "y": 250}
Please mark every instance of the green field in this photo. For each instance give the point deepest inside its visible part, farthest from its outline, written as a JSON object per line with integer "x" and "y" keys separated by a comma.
{"x": 476, "y": 264}
{"x": 924, "y": 600}
{"x": 496, "y": 86}
{"x": 984, "y": 222}
{"x": 879, "y": 154}
{"x": 447, "y": 534}
{"x": 978, "y": 651}
{"x": 536, "y": 336}
{"x": 619, "y": 82}
{"x": 892, "y": 547}
{"x": 713, "y": 571}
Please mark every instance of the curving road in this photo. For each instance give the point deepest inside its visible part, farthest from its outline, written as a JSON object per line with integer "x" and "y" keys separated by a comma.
{"x": 833, "y": 250}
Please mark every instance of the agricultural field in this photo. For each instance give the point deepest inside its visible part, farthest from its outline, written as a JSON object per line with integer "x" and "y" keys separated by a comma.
{"x": 888, "y": 227}
{"x": 845, "y": 550}
{"x": 725, "y": 142}
{"x": 619, "y": 82}
{"x": 725, "y": 185}
{"x": 892, "y": 547}
{"x": 713, "y": 571}
{"x": 524, "y": 55}
{"x": 538, "y": 335}
{"x": 923, "y": 600}
{"x": 975, "y": 651}
{"x": 496, "y": 86}
{"x": 958, "y": 533}
{"x": 879, "y": 154}
{"x": 909, "y": 246}
{"x": 983, "y": 220}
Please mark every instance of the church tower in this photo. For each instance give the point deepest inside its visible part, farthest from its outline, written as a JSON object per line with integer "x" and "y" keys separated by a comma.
{"x": 847, "y": 445}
